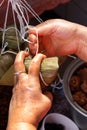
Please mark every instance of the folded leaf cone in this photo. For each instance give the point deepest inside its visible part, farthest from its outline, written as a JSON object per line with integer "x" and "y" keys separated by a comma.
{"x": 6, "y": 60}
{"x": 48, "y": 70}
{"x": 12, "y": 37}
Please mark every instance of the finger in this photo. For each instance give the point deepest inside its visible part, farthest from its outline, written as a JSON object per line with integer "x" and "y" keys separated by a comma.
{"x": 44, "y": 28}
{"x": 19, "y": 67}
{"x": 32, "y": 31}
{"x": 49, "y": 95}
{"x": 33, "y": 48}
{"x": 18, "y": 64}
{"x": 32, "y": 38}
{"x": 34, "y": 67}
{"x": 34, "y": 44}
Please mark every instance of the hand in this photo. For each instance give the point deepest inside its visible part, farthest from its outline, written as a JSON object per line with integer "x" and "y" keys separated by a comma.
{"x": 28, "y": 105}
{"x": 59, "y": 37}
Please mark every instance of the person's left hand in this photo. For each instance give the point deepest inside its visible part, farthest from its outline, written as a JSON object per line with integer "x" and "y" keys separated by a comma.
{"x": 28, "y": 104}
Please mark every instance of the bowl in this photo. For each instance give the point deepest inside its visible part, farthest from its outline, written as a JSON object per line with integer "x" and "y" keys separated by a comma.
{"x": 57, "y": 118}
{"x": 79, "y": 115}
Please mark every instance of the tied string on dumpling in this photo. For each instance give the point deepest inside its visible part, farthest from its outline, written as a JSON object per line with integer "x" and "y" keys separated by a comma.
{"x": 20, "y": 13}
{"x": 37, "y": 49}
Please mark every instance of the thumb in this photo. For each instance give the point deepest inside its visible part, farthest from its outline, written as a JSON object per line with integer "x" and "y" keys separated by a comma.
{"x": 50, "y": 97}
{"x": 43, "y": 29}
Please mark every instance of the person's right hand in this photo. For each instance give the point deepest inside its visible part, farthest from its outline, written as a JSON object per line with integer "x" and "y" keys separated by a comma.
{"x": 59, "y": 37}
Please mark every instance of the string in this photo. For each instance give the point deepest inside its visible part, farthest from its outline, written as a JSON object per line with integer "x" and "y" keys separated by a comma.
{"x": 15, "y": 28}
{"x": 20, "y": 8}
{"x": 73, "y": 57}
{"x": 29, "y": 8}
{"x": 21, "y": 19}
{"x": 1, "y": 3}
{"x": 43, "y": 79}
{"x": 3, "y": 36}
{"x": 37, "y": 41}
{"x": 3, "y": 51}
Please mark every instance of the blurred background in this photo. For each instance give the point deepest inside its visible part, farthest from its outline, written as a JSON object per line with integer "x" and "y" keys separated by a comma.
{"x": 75, "y": 11}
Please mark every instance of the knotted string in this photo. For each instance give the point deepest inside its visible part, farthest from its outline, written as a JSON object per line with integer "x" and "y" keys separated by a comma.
{"x": 21, "y": 9}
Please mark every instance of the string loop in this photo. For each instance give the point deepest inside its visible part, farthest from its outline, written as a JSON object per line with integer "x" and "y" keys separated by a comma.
{"x": 20, "y": 13}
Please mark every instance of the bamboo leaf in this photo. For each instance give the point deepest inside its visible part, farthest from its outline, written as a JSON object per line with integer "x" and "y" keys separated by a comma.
{"x": 6, "y": 60}
{"x": 49, "y": 71}
{"x": 8, "y": 78}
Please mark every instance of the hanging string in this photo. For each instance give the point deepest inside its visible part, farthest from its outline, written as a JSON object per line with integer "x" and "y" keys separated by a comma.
{"x": 1, "y": 3}
{"x": 29, "y": 8}
{"x": 73, "y": 57}
{"x": 15, "y": 25}
{"x": 4, "y": 51}
{"x": 3, "y": 36}
{"x": 37, "y": 41}
{"x": 41, "y": 77}
{"x": 8, "y": 51}
{"x": 19, "y": 8}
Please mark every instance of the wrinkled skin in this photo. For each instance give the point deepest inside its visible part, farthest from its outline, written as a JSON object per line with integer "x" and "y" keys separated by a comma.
{"x": 28, "y": 105}
{"x": 59, "y": 37}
